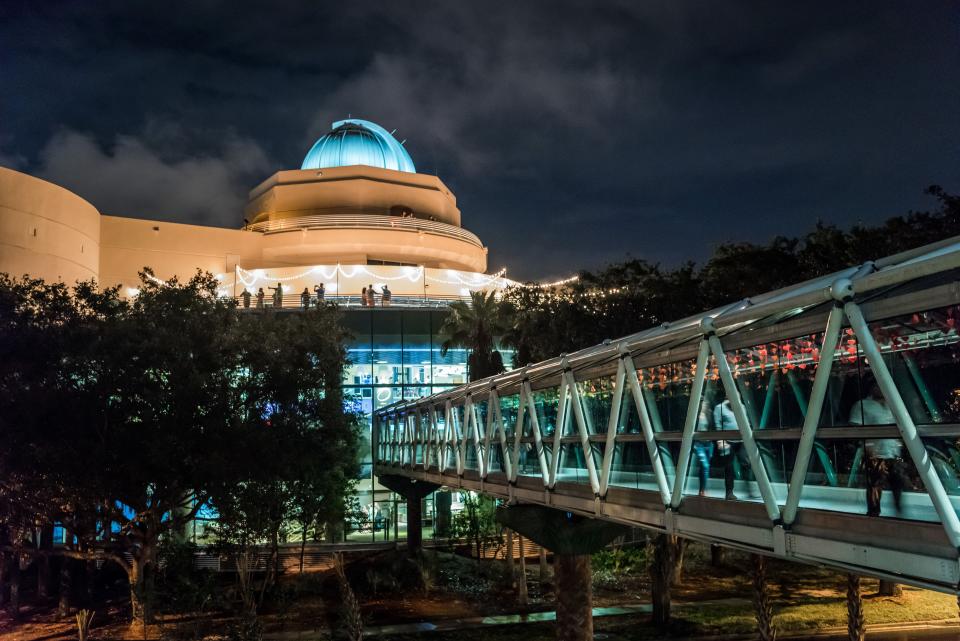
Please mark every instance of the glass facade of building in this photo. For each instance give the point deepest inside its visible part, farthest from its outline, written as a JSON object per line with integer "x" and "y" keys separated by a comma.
{"x": 395, "y": 354}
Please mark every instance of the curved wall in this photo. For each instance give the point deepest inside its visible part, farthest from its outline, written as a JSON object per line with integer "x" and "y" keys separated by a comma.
{"x": 313, "y": 246}
{"x": 339, "y": 190}
{"x": 46, "y": 231}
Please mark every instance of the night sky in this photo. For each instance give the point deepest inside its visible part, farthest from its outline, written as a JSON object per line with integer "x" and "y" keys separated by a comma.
{"x": 573, "y": 133}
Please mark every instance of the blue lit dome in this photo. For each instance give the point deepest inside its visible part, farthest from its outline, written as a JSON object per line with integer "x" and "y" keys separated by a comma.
{"x": 358, "y": 142}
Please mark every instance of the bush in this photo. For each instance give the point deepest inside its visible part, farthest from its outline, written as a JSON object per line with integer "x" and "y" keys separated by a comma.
{"x": 619, "y": 561}
{"x": 180, "y": 587}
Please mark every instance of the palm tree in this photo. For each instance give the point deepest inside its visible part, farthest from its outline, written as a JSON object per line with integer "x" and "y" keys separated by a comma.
{"x": 474, "y": 326}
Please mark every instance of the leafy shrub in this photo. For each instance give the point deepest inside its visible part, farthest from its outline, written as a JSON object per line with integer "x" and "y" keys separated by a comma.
{"x": 619, "y": 561}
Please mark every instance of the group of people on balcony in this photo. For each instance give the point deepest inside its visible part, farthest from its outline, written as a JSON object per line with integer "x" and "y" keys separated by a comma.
{"x": 317, "y": 298}
{"x": 368, "y": 297}
{"x": 884, "y": 465}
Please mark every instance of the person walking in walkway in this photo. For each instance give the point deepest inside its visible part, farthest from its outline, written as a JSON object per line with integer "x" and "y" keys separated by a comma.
{"x": 884, "y": 465}
{"x": 305, "y": 299}
{"x": 386, "y": 295}
{"x": 245, "y": 296}
{"x": 277, "y": 295}
{"x": 260, "y": 297}
{"x": 729, "y": 452}
{"x": 703, "y": 450}
{"x": 321, "y": 293}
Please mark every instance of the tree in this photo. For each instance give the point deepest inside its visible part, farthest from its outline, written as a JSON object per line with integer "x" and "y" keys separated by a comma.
{"x": 476, "y": 326}
{"x": 634, "y": 295}
{"x": 126, "y": 418}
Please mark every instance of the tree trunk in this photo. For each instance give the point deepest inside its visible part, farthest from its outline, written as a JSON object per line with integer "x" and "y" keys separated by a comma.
{"x": 442, "y": 502}
{"x": 414, "y": 524}
{"x": 63, "y": 601}
{"x": 763, "y": 608}
{"x": 138, "y": 614}
{"x": 718, "y": 555}
{"x": 544, "y": 570}
{"x": 43, "y": 563}
{"x": 14, "y": 605}
{"x": 680, "y": 546}
{"x": 140, "y": 575}
{"x": 890, "y": 588}
{"x": 523, "y": 598}
{"x": 303, "y": 546}
{"x": 511, "y": 565}
{"x": 856, "y": 626}
{"x": 574, "y": 597}
{"x": 89, "y": 571}
{"x": 3, "y": 578}
{"x": 661, "y": 569}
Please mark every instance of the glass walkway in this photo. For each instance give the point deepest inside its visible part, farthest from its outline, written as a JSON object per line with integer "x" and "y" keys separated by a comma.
{"x": 819, "y": 423}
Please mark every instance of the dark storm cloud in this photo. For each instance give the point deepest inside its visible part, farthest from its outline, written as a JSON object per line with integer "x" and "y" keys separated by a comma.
{"x": 572, "y": 132}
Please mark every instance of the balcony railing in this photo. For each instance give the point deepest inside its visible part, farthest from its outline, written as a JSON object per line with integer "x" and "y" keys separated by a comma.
{"x": 293, "y": 302}
{"x": 365, "y": 221}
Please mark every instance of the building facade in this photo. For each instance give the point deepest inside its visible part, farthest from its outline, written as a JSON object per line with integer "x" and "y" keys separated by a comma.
{"x": 356, "y": 219}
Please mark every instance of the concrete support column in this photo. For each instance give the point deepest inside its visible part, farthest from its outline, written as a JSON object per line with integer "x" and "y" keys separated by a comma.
{"x": 414, "y": 524}
{"x": 574, "y": 597}
{"x": 572, "y": 539}
{"x": 413, "y": 491}
{"x": 442, "y": 501}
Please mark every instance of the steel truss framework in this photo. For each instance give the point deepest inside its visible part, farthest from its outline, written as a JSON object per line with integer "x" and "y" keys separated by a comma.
{"x": 447, "y": 439}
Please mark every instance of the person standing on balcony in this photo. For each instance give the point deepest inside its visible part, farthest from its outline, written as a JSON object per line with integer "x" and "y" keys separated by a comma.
{"x": 371, "y": 296}
{"x": 245, "y": 296}
{"x": 277, "y": 295}
{"x": 321, "y": 293}
{"x": 363, "y": 297}
{"x": 260, "y": 297}
{"x": 305, "y": 299}
{"x": 884, "y": 465}
{"x": 386, "y": 296}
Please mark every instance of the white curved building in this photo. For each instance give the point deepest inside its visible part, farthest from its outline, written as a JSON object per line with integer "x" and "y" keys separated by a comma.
{"x": 355, "y": 214}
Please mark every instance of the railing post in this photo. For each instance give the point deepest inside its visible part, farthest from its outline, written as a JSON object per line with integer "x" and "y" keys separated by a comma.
{"x": 743, "y": 423}
{"x": 613, "y": 424}
{"x": 690, "y": 423}
{"x": 558, "y": 429}
{"x": 653, "y": 448}
{"x": 537, "y": 434}
{"x": 584, "y": 432}
{"x": 811, "y": 420}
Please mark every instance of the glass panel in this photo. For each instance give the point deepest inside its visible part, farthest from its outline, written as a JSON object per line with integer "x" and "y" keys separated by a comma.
{"x": 666, "y": 389}
{"x": 360, "y": 369}
{"x": 867, "y": 483}
{"x": 546, "y": 401}
{"x": 509, "y": 408}
{"x": 596, "y": 399}
{"x": 528, "y": 463}
{"x": 573, "y": 464}
{"x": 387, "y": 347}
{"x": 449, "y": 369}
{"x": 631, "y": 466}
{"x": 416, "y": 348}
{"x": 921, "y": 351}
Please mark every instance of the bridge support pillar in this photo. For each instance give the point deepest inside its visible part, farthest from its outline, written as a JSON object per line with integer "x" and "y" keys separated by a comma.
{"x": 414, "y": 492}
{"x": 572, "y": 539}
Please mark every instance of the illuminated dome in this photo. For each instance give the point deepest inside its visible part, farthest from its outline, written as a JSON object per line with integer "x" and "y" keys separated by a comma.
{"x": 358, "y": 142}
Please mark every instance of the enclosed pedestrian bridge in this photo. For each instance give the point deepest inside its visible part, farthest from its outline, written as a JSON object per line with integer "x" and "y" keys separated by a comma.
{"x": 769, "y": 425}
